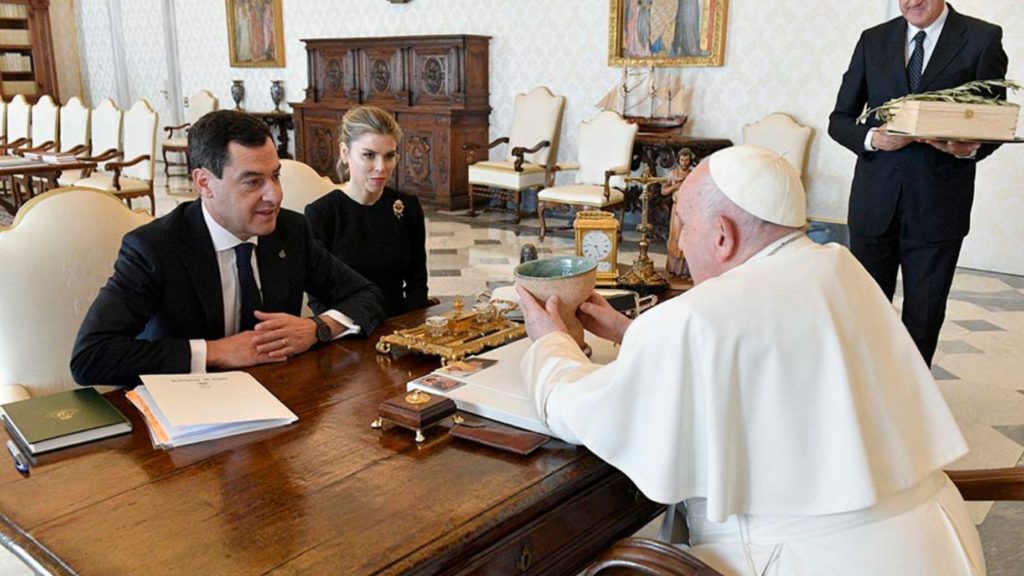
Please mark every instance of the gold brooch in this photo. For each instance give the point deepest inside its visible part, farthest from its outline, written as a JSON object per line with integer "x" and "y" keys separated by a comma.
{"x": 398, "y": 208}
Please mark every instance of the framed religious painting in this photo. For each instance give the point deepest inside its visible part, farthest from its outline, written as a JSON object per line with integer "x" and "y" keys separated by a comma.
{"x": 646, "y": 33}
{"x": 255, "y": 33}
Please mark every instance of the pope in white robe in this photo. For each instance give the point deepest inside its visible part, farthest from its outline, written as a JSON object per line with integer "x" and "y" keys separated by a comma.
{"x": 781, "y": 399}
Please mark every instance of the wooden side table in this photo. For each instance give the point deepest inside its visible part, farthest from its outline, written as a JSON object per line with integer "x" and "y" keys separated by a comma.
{"x": 662, "y": 150}
{"x": 281, "y": 122}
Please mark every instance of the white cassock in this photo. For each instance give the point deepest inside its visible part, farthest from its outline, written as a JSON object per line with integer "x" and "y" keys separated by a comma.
{"x": 786, "y": 405}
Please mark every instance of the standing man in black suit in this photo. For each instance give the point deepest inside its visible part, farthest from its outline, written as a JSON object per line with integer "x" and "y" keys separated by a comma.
{"x": 910, "y": 203}
{"x": 217, "y": 283}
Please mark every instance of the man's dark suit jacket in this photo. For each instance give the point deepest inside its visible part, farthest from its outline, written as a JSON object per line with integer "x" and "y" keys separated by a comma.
{"x": 937, "y": 188}
{"x": 166, "y": 290}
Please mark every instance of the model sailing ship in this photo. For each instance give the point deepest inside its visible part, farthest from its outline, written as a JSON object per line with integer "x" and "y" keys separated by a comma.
{"x": 641, "y": 100}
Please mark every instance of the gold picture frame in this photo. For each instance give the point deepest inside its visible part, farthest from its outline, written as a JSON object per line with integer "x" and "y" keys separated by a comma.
{"x": 643, "y": 33}
{"x": 255, "y": 33}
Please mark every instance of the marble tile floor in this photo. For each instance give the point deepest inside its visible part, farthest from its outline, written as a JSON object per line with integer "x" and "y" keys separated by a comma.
{"x": 978, "y": 365}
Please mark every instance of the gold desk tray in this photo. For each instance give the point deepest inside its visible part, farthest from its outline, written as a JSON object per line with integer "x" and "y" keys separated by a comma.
{"x": 464, "y": 336}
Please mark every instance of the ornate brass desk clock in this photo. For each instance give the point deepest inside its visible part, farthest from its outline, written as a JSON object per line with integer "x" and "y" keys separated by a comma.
{"x": 597, "y": 238}
{"x": 643, "y": 277}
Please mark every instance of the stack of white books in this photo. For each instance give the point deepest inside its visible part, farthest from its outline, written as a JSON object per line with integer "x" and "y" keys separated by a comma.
{"x": 182, "y": 409}
{"x": 497, "y": 390}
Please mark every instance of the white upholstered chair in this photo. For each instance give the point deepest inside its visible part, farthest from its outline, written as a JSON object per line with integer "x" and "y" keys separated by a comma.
{"x": 197, "y": 106}
{"x": 302, "y": 185}
{"x": 74, "y": 127}
{"x": 779, "y": 132}
{"x": 104, "y": 139}
{"x": 19, "y": 119}
{"x": 55, "y": 257}
{"x": 606, "y": 149}
{"x": 131, "y": 177}
{"x": 530, "y": 153}
{"x": 74, "y": 136}
{"x": 3, "y": 120}
{"x": 45, "y": 124}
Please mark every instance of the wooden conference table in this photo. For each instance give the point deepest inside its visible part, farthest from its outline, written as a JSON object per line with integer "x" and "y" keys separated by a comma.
{"x": 49, "y": 171}
{"x": 326, "y": 495}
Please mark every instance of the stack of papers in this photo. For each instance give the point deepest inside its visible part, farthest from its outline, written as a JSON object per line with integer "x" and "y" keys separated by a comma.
{"x": 491, "y": 385}
{"x": 52, "y": 157}
{"x": 182, "y": 409}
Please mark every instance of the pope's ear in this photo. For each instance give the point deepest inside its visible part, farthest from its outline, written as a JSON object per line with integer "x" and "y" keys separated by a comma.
{"x": 726, "y": 238}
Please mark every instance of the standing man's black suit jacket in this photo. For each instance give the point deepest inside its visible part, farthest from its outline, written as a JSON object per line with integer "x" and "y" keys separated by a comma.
{"x": 937, "y": 188}
{"x": 166, "y": 290}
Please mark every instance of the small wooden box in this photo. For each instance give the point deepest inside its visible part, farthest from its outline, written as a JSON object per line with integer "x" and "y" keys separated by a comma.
{"x": 951, "y": 120}
{"x": 415, "y": 410}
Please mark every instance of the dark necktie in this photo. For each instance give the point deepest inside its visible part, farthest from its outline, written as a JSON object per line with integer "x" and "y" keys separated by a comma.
{"x": 915, "y": 66}
{"x": 250, "y": 293}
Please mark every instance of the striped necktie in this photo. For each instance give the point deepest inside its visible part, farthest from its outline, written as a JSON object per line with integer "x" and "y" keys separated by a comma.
{"x": 915, "y": 67}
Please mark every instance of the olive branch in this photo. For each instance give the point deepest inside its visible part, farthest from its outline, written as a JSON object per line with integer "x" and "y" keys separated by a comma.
{"x": 969, "y": 93}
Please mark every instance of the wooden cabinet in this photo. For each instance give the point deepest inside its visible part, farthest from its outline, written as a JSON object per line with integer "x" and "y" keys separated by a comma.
{"x": 26, "y": 50}
{"x": 437, "y": 88}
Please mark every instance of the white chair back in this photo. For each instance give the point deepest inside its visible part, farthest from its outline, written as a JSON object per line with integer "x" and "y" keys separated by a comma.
{"x": 779, "y": 132}
{"x": 536, "y": 116}
{"x": 606, "y": 142}
{"x": 106, "y": 127}
{"x": 45, "y": 120}
{"x": 55, "y": 257}
{"x": 302, "y": 185}
{"x": 200, "y": 104}
{"x": 74, "y": 125}
{"x": 19, "y": 118}
{"x": 3, "y": 118}
{"x": 140, "y": 124}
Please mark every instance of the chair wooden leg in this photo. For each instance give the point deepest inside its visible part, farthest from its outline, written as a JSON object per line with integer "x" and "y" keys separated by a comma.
{"x": 517, "y": 198}
{"x": 540, "y": 214}
{"x": 622, "y": 218}
{"x": 152, "y": 203}
{"x": 167, "y": 165}
{"x": 472, "y": 205}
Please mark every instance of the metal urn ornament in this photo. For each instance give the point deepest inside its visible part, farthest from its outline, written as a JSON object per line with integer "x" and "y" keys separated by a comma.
{"x": 237, "y": 93}
{"x": 277, "y": 94}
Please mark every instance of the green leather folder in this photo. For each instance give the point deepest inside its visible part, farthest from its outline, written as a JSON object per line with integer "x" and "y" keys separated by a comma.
{"x": 64, "y": 419}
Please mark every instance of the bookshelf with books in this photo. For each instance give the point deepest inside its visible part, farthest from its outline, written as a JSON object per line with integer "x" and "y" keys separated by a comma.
{"x": 26, "y": 50}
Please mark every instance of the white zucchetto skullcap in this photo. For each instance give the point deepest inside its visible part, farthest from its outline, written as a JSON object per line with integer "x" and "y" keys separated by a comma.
{"x": 762, "y": 183}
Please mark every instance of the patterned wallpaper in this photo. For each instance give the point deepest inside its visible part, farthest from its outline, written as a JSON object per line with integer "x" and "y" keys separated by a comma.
{"x": 789, "y": 58}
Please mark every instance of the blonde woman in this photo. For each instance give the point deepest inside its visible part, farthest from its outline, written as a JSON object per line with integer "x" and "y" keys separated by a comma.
{"x": 375, "y": 229}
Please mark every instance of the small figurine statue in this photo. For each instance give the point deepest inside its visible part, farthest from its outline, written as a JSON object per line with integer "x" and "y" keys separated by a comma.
{"x": 527, "y": 253}
{"x": 676, "y": 261}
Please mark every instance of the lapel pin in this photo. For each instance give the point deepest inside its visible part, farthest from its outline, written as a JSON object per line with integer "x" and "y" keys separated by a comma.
{"x": 398, "y": 208}
{"x": 281, "y": 254}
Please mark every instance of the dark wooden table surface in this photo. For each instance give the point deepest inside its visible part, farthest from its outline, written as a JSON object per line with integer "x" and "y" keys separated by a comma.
{"x": 326, "y": 495}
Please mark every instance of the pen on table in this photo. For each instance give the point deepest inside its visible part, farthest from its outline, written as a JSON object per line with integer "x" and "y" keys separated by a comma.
{"x": 20, "y": 461}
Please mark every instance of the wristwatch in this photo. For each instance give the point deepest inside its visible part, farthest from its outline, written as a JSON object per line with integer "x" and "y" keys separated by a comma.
{"x": 323, "y": 331}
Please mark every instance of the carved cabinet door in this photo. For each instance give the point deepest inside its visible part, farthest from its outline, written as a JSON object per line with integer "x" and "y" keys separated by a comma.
{"x": 436, "y": 75}
{"x": 320, "y": 144}
{"x": 417, "y": 172}
{"x": 335, "y": 73}
{"x": 383, "y": 76}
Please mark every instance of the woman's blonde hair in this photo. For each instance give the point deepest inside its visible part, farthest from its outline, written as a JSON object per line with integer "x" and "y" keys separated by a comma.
{"x": 367, "y": 120}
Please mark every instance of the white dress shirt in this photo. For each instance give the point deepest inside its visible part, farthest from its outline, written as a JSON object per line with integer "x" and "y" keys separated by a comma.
{"x": 224, "y": 243}
{"x": 931, "y": 38}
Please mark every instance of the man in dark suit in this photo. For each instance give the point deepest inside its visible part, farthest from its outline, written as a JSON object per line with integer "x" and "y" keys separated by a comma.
{"x": 217, "y": 283}
{"x": 910, "y": 203}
